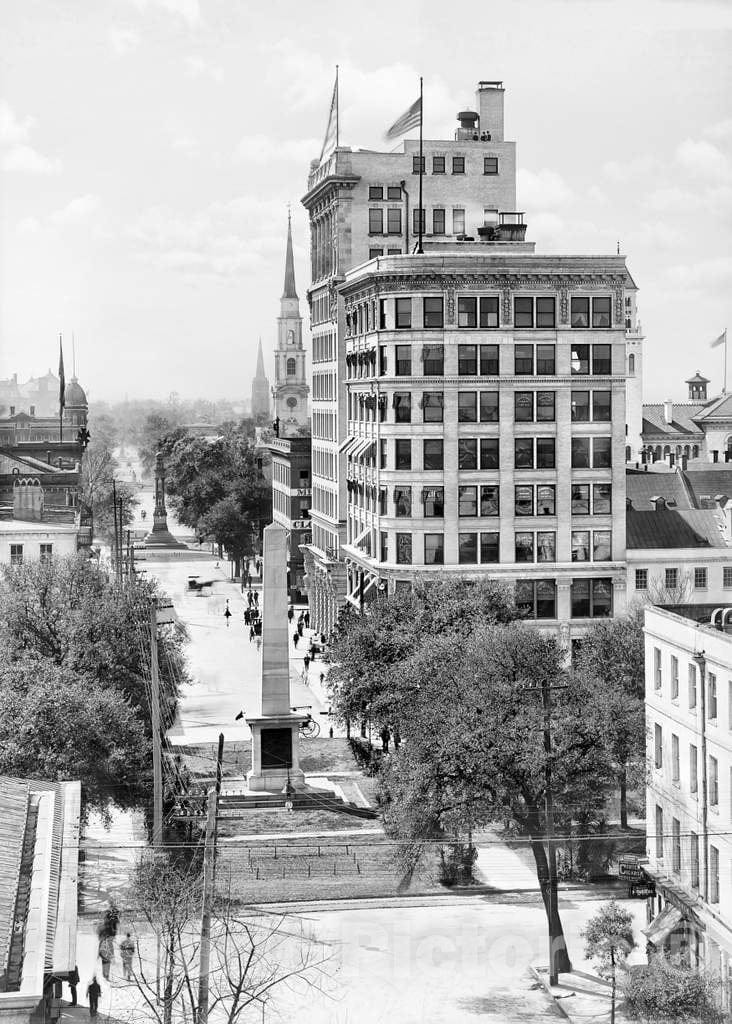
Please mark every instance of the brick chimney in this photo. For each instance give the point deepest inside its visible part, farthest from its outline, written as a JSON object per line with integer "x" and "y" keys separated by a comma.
{"x": 659, "y": 503}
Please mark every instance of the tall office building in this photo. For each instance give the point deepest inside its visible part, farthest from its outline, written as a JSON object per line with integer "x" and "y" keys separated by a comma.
{"x": 468, "y": 402}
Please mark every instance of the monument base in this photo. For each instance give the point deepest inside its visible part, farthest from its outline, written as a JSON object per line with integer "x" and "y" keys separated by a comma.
{"x": 275, "y": 753}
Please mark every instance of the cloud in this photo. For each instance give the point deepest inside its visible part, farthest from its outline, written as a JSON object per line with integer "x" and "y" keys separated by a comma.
{"x": 123, "y": 40}
{"x": 542, "y": 189}
{"x": 185, "y": 144}
{"x": 719, "y": 131}
{"x": 28, "y": 160}
{"x": 188, "y": 10}
{"x": 261, "y": 149}
{"x": 705, "y": 275}
{"x": 13, "y": 130}
{"x": 702, "y": 159}
{"x": 596, "y": 195}
{"x": 77, "y": 211}
{"x": 197, "y": 67}
{"x": 629, "y": 170}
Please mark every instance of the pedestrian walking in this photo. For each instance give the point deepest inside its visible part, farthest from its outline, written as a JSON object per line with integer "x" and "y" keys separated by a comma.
{"x": 93, "y": 992}
{"x": 313, "y": 651}
{"x": 250, "y": 597}
{"x": 300, "y": 628}
{"x": 322, "y": 678}
{"x": 258, "y": 627}
{"x": 251, "y": 633}
{"x": 127, "y": 950}
{"x": 306, "y": 662}
{"x": 247, "y": 617}
{"x": 306, "y": 617}
{"x": 290, "y": 613}
{"x": 73, "y": 980}
{"x": 295, "y": 637}
{"x": 256, "y": 598}
{"x": 227, "y": 613}
{"x": 106, "y": 954}
{"x": 385, "y": 737}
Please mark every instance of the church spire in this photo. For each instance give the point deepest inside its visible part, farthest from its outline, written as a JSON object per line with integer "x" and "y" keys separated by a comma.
{"x": 289, "y": 292}
{"x": 260, "y": 362}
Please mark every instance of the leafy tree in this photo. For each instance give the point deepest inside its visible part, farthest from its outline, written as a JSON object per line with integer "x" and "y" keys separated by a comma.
{"x": 473, "y": 749}
{"x": 608, "y": 940}
{"x": 668, "y": 991}
{"x": 612, "y": 659}
{"x": 368, "y": 651}
{"x": 156, "y": 427}
{"x": 103, "y": 428}
{"x": 98, "y": 469}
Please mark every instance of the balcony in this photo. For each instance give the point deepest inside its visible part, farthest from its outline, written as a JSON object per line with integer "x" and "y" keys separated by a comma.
{"x": 506, "y": 227}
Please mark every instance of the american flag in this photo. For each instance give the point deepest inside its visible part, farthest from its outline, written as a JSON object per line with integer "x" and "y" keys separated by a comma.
{"x": 409, "y": 119}
{"x": 331, "y": 132}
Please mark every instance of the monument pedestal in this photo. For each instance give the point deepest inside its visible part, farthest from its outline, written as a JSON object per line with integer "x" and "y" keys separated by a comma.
{"x": 275, "y": 754}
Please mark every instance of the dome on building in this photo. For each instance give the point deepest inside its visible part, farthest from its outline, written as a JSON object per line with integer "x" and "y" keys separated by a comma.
{"x": 75, "y": 394}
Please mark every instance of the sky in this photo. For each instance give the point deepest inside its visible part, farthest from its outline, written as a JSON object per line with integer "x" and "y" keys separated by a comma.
{"x": 149, "y": 149}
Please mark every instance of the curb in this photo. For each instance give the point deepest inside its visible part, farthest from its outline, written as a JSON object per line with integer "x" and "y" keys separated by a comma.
{"x": 542, "y": 979}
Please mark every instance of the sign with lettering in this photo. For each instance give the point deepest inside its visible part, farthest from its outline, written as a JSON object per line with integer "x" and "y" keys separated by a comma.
{"x": 630, "y": 868}
{"x": 642, "y": 890}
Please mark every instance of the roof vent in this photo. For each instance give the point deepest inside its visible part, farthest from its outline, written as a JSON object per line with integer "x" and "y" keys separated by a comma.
{"x": 659, "y": 503}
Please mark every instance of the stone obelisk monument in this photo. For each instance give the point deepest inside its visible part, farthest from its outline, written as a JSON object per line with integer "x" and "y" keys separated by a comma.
{"x": 275, "y": 730}
{"x": 160, "y": 536}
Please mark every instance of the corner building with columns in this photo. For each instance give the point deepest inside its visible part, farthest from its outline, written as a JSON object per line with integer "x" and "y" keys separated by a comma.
{"x": 469, "y": 401}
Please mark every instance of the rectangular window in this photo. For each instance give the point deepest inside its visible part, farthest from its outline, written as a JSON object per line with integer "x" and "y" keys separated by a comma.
{"x": 727, "y": 577}
{"x": 602, "y": 499}
{"x": 467, "y": 453}
{"x": 489, "y": 311}
{"x": 544, "y": 406}
{"x": 580, "y": 406}
{"x": 383, "y": 361}
{"x": 674, "y": 677}
{"x": 545, "y": 311}
{"x": 489, "y": 360}
{"x": 432, "y": 311}
{"x": 580, "y": 499}
{"x": 592, "y": 598}
{"x": 403, "y": 317}
{"x": 467, "y": 311}
{"x": 601, "y": 311}
{"x": 658, "y": 746}
{"x": 438, "y": 222}
{"x": 402, "y": 401}
{"x": 467, "y": 548}
{"x": 601, "y": 359}
{"x": 580, "y": 362}
{"x": 489, "y": 453}
{"x": 467, "y": 407}
{"x": 490, "y": 165}
{"x": 434, "y": 553}
{"x": 489, "y": 504}
{"x": 545, "y": 453}
{"x": 489, "y": 407}
{"x": 458, "y": 222}
{"x": 523, "y": 406}
{"x": 580, "y": 545}
{"x": 393, "y": 252}
{"x": 671, "y": 578}
{"x": 523, "y": 311}
{"x": 523, "y": 360}
{"x": 546, "y": 546}
{"x": 376, "y": 222}
{"x": 432, "y": 406}
{"x": 675, "y": 759}
{"x": 373, "y": 253}
{"x": 489, "y": 551}
{"x": 394, "y": 192}
{"x": 601, "y": 452}
{"x": 536, "y": 599}
{"x": 580, "y": 453}
{"x": 700, "y": 579}
{"x": 676, "y": 846}
{"x": 404, "y": 548}
{"x": 524, "y": 453}
{"x": 524, "y": 500}
{"x": 438, "y": 165}
{"x": 467, "y": 501}
{"x": 601, "y": 545}
{"x": 382, "y": 327}
{"x": 433, "y": 360}
{"x": 433, "y": 500}
{"x": 579, "y": 311}
{"x": 376, "y": 192}
{"x": 467, "y": 360}
{"x": 403, "y": 355}
{"x": 16, "y": 554}
{"x": 46, "y": 553}
{"x": 433, "y": 453}
{"x": 416, "y": 221}
{"x": 659, "y": 833}
{"x": 545, "y": 359}
{"x": 641, "y": 579}
{"x": 402, "y": 501}
{"x": 657, "y": 670}
{"x": 383, "y": 546}
{"x": 524, "y": 547}
{"x": 713, "y": 874}
{"x": 458, "y": 165}
{"x": 394, "y": 222}
{"x": 545, "y": 499}
{"x": 416, "y": 165}
{"x": 711, "y": 696}
{"x": 692, "y": 686}
{"x": 382, "y": 453}
{"x": 694, "y": 859}
{"x": 601, "y": 407}
{"x": 403, "y": 453}
{"x": 693, "y": 768}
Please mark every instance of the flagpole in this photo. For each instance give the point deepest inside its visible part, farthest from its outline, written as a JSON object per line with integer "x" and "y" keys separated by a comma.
{"x": 338, "y": 104}
{"x": 724, "y": 389}
{"x": 421, "y": 168}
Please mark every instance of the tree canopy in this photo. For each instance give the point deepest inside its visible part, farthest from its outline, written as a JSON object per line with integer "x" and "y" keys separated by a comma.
{"x": 98, "y": 470}
{"x": 668, "y": 991}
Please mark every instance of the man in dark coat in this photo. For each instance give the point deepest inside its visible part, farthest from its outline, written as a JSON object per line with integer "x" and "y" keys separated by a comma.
{"x": 93, "y": 991}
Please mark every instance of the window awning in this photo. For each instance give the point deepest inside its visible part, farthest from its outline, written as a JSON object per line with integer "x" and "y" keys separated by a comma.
{"x": 346, "y": 444}
{"x": 362, "y": 537}
{"x": 663, "y": 925}
{"x": 362, "y": 443}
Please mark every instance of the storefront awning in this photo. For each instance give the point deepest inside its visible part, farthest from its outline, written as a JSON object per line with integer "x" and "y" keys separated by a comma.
{"x": 360, "y": 447}
{"x": 346, "y": 444}
{"x": 663, "y": 925}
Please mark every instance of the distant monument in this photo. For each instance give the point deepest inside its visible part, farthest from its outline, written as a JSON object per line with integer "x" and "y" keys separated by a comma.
{"x": 160, "y": 536}
{"x": 275, "y": 755}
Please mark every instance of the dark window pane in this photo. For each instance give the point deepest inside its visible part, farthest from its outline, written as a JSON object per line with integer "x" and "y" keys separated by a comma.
{"x": 601, "y": 452}
{"x": 373, "y": 253}
{"x": 524, "y": 596}
{"x": 402, "y": 407}
{"x": 580, "y": 598}
{"x": 433, "y": 499}
{"x": 403, "y": 313}
{"x": 382, "y": 317}
{"x": 546, "y": 547}
{"x": 545, "y": 312}
{"x": 580, "y": 499}
{"x": 524, "y": 453}
{"x": 580, "y": 545}
{"x": 601, "y": 407}
{"x": 490, "y": 165}
{"x": 545, "y": 453}
{"x": 489, "y": 407}
{"x": 545, "y": 406}
{"x": 602, "y": 599}
{"x": 403, "y": 361}
{"x": 433, "y": 311}
{"x": 467, "y": 548}
{"x": 489, "y": 547}
{"x": 438, "y": 165}
{"x": 523, "y": 404}
{"x": 602, "y": 499}
{"x": 376, "y": 222}
{"x": 403, "y": 453}
{"x": 393, "y": 192}
{"x": 580, "y": 311}
{"x": 489, "y": 505}
{"x": 524, "y": 547}
{"x": 433, "y": 454}
{"x": 523, "y": 311}
{"x": 467, "y": 501}
{"x": 601, "y": 311}
{"x": 524, "y": 501}
{"x": 383, "y": 362}
{"x": 489, "y": 360}
{"x": 467, "y": 360}
{"x": 433, "y": 549}
{"x": 546, "y": 599}
{"x": 468, "y": 453}
{"x": 467, "y": 407}
{"x": 458, "y": 165}
{"x": 467, "y": 311}
{"x": 376, "y": 192}
{"x": 524, "y": 359}
{"x": 545, "y": 360}
{"x": 581, "y": 406}
{"x": 580, "y": 453}
{"x": 580, "y": 359}
{"x": 489, "y": 453}
{"x": 432, "y": 407}
{"x": 438, "y": 222}
{"x": 489, "y": 311}
{"x": 402, "y": 501}
{"x": 601, "y": 546}
{"x": 394, "y": 222}
{"x": 416, "y": 221}
{"x": 415, "y": 164}
{"x": 433, "y": 360}
{"x": 601, "y": 359}
{"x": 545, "y": 499}
{"x": 404, "y": 548}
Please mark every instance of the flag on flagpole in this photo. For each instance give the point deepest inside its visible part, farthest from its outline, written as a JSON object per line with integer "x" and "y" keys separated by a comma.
{"x": 409, "y": 119}
{"x": 331, "y": 132}
{"x": 61, "y": 377}
{"x": 721, "y": 340}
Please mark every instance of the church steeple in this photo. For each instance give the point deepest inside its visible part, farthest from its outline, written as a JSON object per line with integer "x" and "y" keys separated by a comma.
{"x": 289, "y": 291}
{"x": 260, "y": 362}
{"x": 260, "y": 387}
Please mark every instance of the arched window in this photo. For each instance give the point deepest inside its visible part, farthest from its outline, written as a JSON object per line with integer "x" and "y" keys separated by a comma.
{"x": 658, "y": 451}
{"x": 627, "y": 453}
{"x": 291, "y": 367}
{"x": 686, "y": 450}
{"x": 631, "y": 364}
{"x": 695, "y": 451}
{"x": 666, "y": 451}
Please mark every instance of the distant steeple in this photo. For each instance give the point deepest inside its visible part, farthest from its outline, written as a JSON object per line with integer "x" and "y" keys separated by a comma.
{"x": 260, "y": 362}
{"x": 289, "y": 292}
{"x": 260, "y": 387}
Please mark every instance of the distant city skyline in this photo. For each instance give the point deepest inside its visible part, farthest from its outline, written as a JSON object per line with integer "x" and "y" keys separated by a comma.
{"x": 149, "y": 149}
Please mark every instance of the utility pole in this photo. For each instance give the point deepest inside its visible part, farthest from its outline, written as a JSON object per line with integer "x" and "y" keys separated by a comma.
{"x": 209, "y": 852}
{"x": 546, "y": 696}
{"x": 115, "y": 558}
{"x": 155, "y": 712}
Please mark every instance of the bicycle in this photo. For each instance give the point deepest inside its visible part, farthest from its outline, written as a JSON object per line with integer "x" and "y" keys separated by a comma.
{"x": 309, "y": 728}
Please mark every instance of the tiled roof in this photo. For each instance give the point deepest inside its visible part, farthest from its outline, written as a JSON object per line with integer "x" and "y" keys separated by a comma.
{"x": 719, "y": 409}
{"x": 671, "y": 528}
{"x": 707, "y": 483}
{"x": 641, "y": 487}
{"x": 13, "y": 817}
{"x": 683, "y": 417}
